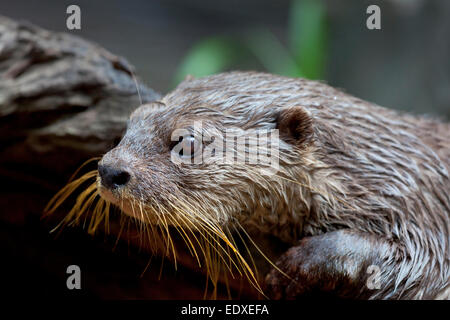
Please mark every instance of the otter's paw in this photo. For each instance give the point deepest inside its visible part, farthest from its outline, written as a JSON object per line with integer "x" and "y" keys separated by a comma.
{"x": 316, "y": 267}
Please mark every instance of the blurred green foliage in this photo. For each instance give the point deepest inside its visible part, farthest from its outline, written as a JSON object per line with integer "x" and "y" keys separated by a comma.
{"x": 305, "y": 55}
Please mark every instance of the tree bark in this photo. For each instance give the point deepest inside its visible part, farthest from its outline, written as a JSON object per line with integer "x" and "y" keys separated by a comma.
{"x": 64, "y": 100}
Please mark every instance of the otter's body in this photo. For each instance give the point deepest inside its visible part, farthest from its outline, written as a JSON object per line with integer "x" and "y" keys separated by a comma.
{"x": 362, "y": 192}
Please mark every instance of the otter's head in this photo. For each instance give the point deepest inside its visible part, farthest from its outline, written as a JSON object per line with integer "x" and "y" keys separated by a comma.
{"x": 210, "y": 151}
{"x": 235, "y": 151}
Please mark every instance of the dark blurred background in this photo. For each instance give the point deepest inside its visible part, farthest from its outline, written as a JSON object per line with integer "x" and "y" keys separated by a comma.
{"x": 405, "y": 65}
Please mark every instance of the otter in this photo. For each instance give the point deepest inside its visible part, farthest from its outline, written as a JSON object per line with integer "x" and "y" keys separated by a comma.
{"x": 360, "y": 192}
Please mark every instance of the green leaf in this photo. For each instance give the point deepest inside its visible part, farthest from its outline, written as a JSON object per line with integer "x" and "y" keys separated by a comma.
{"x": 271, "y": 53}
{"x": 308, "y": 36}
{"x": 208, "y": 56}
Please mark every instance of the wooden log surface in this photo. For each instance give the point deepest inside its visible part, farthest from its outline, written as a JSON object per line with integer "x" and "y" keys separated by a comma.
{"x": 64, "y": 100}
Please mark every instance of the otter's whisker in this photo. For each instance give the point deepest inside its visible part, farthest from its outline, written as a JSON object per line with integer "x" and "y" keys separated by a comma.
{"x": 244, "y": 266}
{"x": 97, "y": 216}
{"x": 82, "y": 166}
{"x": 166, "y": 226}
{"x": 260, "y": 251}
{"x": 186, "y": 239}
{"x": 205, "y": 238}
{"x": 122, "y": 224}
{"x": 65, "y": 192}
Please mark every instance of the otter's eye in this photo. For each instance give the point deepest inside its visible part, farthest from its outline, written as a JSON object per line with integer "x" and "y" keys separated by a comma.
{"x": 186, "y": 146}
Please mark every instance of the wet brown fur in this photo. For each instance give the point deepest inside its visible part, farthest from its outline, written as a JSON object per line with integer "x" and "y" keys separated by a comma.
{"x": 358, "y": 184}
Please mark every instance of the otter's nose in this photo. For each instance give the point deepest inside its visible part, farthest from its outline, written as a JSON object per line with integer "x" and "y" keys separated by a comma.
{"x": 113, "y": 178}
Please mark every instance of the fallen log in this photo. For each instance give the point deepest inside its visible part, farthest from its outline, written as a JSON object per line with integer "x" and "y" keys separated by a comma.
{"x": 64, "y": 100}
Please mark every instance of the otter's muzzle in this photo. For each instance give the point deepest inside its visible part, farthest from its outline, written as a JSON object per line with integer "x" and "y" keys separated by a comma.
{"x": 113, "y": 178}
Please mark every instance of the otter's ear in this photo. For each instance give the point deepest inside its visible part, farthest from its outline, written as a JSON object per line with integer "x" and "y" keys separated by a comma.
{"x": 295, "y": 126}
